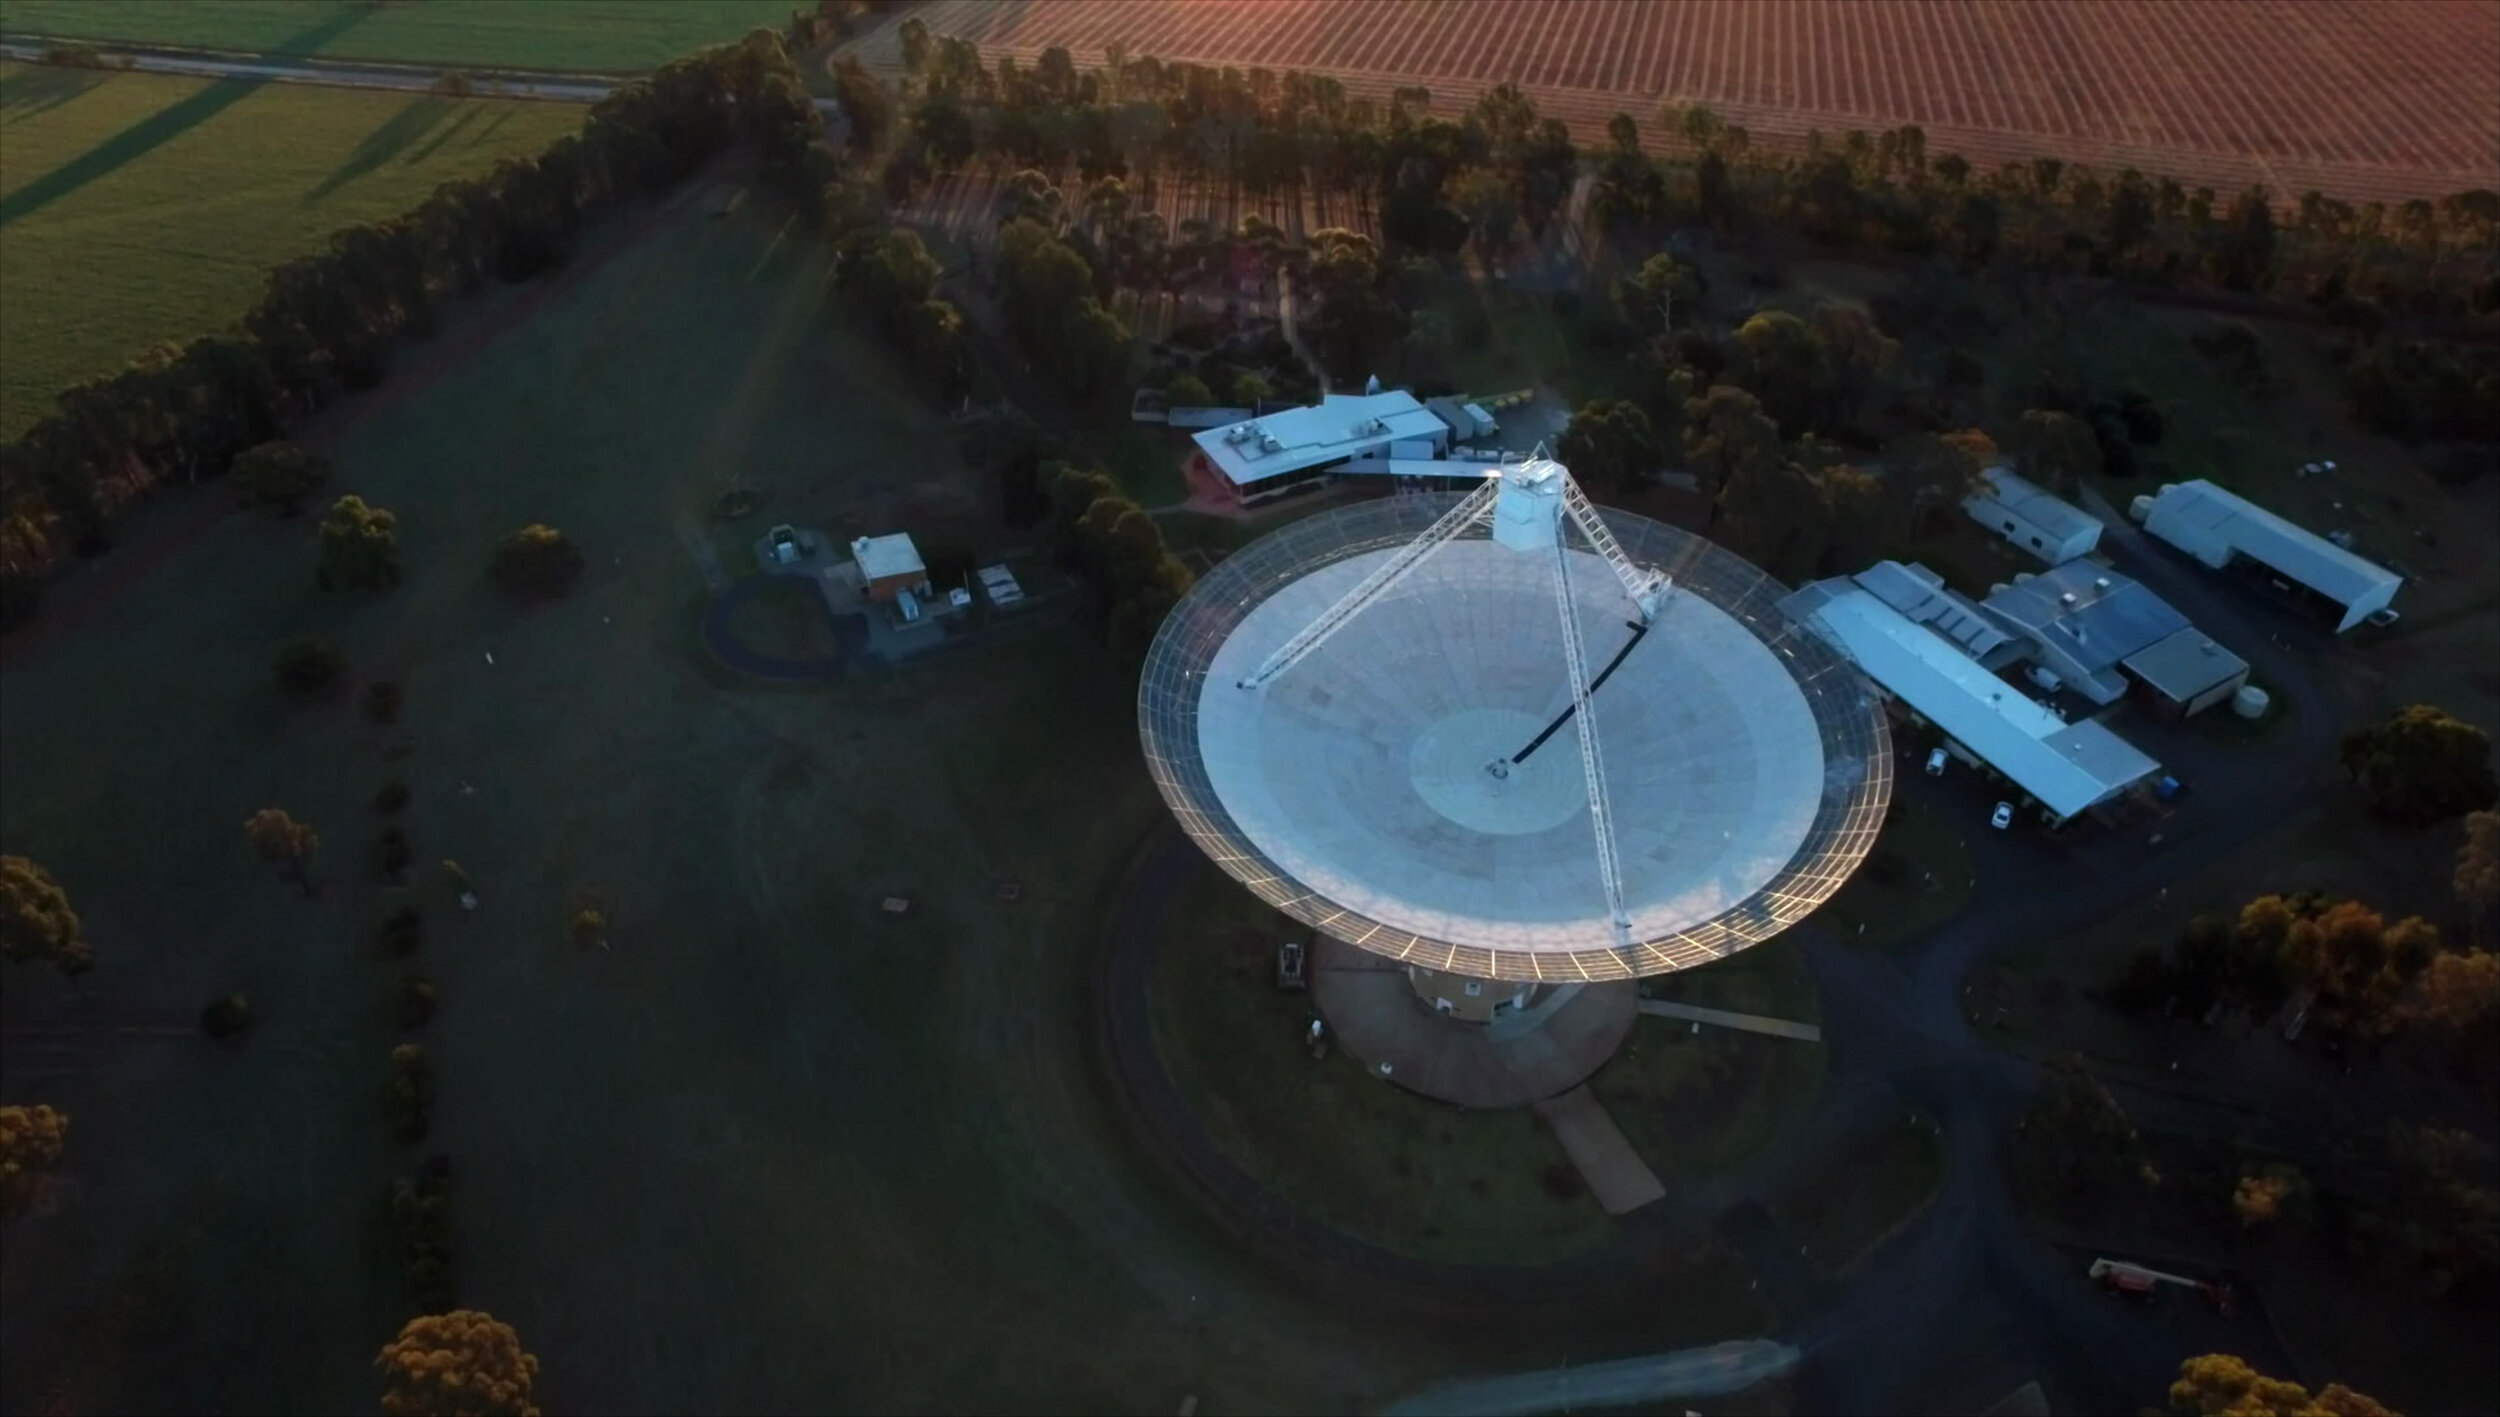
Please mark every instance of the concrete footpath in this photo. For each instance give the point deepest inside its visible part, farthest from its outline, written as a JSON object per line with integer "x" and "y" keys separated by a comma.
{"x": 1615, "y": 1173}
{"x": 1687, "y": 1373}
{"x": 1721, "y": 1018}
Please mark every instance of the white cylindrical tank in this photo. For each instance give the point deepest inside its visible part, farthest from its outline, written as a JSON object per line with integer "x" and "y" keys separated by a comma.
{"x": 2250, "y": 701}
{"x": 1998, "y": 589}
{"x": 2022, "y": 576}
{"x": 2140, "y": 508}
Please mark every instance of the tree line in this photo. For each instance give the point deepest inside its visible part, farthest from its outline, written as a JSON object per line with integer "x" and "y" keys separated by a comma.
{"x": 1501, "y": 171}
{"x": 2361, "y": 978}
{"x": 328, "y": 323}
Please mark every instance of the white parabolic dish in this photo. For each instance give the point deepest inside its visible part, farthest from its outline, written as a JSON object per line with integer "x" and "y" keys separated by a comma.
{"x": 1746, "y": 766}
{"x": 1362, "y": 771}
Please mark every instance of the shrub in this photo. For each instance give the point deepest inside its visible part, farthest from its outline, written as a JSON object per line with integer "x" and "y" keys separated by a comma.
{"x": 401, "y": 931}
{"x": 308, "y": 664}
{"x": 537, "y": 561}
{"x": 75, "y": 56}
{"x": 451, "y": 83}
{"x": 409, "y": 1099}
{"x": 227, "y": 1017}
{"x": 391, "y": 852}
{"x": 413, "y": 1000}
{"x": 382, "y": 701}
{"x": 392, "y": 797}
{"x": 2422, "y": 765}
{"x": 359, "y": 547}
{"x": 278, "y": 476}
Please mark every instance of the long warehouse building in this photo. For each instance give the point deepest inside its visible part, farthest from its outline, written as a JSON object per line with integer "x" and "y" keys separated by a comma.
{"x": 2228, "y": 532}
{"x": 2067, "y": 768}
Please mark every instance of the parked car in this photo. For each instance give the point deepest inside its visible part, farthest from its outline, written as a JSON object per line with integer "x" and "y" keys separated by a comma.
{"x": 2002, "y": 817}
{"x": 1935, "y": 763}
{"x": 1289, "y": 973}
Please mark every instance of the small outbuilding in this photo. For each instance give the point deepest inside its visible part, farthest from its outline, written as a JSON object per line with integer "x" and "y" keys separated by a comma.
{"x": 2185, "y": 673}
{"x": 889, "y": 566}
{"x": 2230, "y": 533}
{"x": 2025, "y": 514}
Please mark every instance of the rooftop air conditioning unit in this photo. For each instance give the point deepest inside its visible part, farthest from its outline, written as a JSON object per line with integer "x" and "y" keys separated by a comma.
{"x": 2100, "y": 582}
{"x": 2066, "y": 599}
{"x": 1269, "y": 444}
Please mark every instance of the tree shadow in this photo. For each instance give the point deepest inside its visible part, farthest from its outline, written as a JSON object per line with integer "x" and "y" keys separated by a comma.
{"x": 43, "y": 86}
{"x": 489, "y": 130}
{"x": 468, "y": 115}
{"x": 397, "y": 133}
{"x": 166, "y": 124}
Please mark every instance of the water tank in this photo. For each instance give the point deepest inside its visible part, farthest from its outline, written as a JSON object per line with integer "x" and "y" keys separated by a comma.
{"x": 2140, "y": 508}
{"x": 2250, "y": 701}
{"x": 2022, "y": 576}
{"x": 1998, "y": 589}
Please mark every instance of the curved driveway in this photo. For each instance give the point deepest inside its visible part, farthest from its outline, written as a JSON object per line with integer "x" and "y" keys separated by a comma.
{"x": 1896, "y": 1032}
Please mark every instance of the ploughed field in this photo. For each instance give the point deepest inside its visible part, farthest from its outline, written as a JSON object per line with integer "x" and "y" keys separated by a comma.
{"x": 2389, "y": 100}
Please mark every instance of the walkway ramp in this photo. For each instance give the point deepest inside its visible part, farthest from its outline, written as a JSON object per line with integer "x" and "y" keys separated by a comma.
{"x": 1721, "y": 1018}
{"x": 1615, "y": 1173}
{"x": 1649, "y": 1381}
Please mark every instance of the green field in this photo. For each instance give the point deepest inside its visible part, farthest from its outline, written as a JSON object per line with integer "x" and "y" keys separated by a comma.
{"x": 1846, "y": 1209}
{"x": 592, "y": 36}
{"x": 137, "y": 208}
{"x": 778, "y": 1150}
{"x": 1695, "y": 1103}
{"x": 1355, "y": 1153}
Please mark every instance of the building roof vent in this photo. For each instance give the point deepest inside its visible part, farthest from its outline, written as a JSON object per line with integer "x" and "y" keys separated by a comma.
{"x": 2068, "y": 598}
{"x": 2100, "y": 582}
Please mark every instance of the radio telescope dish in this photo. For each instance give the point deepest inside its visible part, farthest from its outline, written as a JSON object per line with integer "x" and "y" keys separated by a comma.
{"x": 1380, "y": 720}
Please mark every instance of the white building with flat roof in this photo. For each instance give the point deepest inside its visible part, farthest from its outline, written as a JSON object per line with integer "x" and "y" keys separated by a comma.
{"x": 2067, "y": 768}
{"x": 889, "y": 566}
{"x": 1296, "y": 448}
{"x": 2027, "y": 515}
{"x": 2225, "y": 530}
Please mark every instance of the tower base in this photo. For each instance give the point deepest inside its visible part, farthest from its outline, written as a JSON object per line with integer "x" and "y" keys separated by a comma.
{"x": 1541, "y": 1047}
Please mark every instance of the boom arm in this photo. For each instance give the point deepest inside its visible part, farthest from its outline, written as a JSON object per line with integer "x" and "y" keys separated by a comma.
{"x": 1646, "y": 588}
{"x": 1474, "y": 508}
{"x": 1592, "y": 763}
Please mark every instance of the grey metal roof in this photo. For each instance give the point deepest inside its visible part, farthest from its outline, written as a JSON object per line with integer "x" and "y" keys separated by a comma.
{"x": 2067, "y": 766}
{"x": 2210, "y": 523}
{"x": 2036, "y": 505}
{"x": 2089, "y": 613}
{"x": 1920, "y": 595}
{"x": 2186, "y": 664}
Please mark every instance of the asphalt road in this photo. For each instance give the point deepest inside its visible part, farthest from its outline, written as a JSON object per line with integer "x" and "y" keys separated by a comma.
{"x": 1897, "y": 1033}
{"x": 551, "y": 88}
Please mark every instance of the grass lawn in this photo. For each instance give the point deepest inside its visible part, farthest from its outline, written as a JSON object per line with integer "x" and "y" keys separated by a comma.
{"x": 1696, "y": 1103}
{"x": 777, "y": 1150}
{"x": 596, "y": 36}
{"x": 1918, "y": 876}
{"x": 785, "y": 620}
{"x": 1144, "y": 459}
{"x": 1842, "y": 1211}
{"x": 1358, "y": 1154}
{"x": 137, "y": 208}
